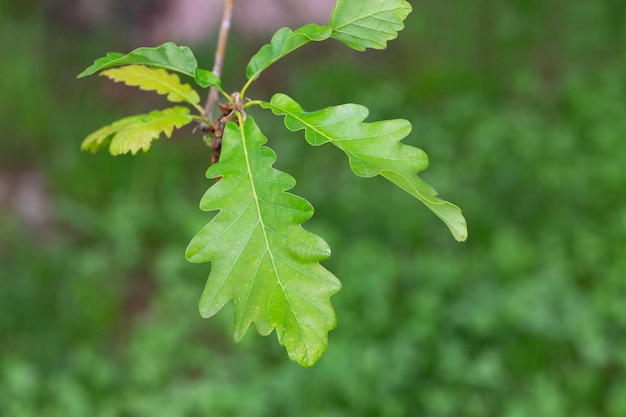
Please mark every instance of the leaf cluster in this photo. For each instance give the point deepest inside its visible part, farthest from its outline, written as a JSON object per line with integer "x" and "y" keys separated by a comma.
{"x": 262, "y": 258}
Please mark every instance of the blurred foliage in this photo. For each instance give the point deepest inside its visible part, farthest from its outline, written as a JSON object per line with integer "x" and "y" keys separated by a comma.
{"x": 521, "y": 106}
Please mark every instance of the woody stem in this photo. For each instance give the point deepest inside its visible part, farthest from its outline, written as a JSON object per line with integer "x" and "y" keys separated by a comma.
{"x": 219, "y": 55}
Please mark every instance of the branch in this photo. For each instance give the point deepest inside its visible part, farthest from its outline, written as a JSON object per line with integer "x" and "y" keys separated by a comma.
{"x": 219, "y": 55}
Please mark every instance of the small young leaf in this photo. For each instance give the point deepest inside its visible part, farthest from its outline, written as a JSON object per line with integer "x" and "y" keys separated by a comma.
{"x": 152, "y": 79}
{"x": 262, "y": 257}
{"x": 168, "y": 56}
{"x": 205, "y": 78}
{"x": 283, "y": 42}
{"x": 136, "y": 133}
{"x": 368, "y": 24}
{"x": 373, "y": 149}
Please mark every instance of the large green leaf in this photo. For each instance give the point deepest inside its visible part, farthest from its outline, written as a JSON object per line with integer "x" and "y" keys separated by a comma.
{"x": 368, "y": 24}
{"x": 373, "y": 149}
{"x": 261, "y": 256}
{"x": 283, "y": 42}
{"x": 136, "y": 133}
{"x": 153, "y": 79}
{"x": 168, "y": 56}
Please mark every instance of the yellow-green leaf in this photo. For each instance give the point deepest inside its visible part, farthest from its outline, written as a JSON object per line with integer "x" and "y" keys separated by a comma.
{"x": 136, "y": 133}
{"x": 154, "y": 79}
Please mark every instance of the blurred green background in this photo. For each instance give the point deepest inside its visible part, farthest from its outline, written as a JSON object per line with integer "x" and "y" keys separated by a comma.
{"x": 521, "y": 106}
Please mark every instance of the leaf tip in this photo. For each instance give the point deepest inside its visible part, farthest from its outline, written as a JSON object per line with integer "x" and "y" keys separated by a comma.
{"x": 461, "y": 234}
{"x": 454, "y": 219}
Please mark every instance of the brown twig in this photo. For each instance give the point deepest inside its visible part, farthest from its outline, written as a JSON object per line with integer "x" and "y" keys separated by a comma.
{"x": 219, "y": 55}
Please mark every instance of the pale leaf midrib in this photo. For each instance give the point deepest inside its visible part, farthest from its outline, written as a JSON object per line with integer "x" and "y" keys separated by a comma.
{"x": 169, "y": 88}
{"x": 262, "y": 223}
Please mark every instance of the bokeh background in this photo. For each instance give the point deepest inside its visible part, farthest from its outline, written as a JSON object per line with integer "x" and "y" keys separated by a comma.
{"x": 521, "y": 106}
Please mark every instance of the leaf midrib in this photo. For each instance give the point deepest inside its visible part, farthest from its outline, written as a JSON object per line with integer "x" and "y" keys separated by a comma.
{"x": 257, "y": 199}
{"x": 336, "y": 142}
{"x": 190, "y": 96}
{"x": 185, "y": 95}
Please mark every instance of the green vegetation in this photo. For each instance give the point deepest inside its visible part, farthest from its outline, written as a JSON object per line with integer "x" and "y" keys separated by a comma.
{"x": 522, "y": 114}
{"x": 262, "y": 259}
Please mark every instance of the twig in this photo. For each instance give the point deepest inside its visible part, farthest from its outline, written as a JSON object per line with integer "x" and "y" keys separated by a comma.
{"x": 219, "y": 55}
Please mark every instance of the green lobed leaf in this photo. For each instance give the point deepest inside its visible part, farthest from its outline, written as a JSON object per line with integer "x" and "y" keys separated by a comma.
{"x": 368, "y": 24}
{"x": 168, "y": 56}
{"x": 283, "y": 42}
{"x": 135, "y": 133}
{"x": 152, "y": 79}
{"x": 372, "y": 148}
{"x": 261, "y": 256}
